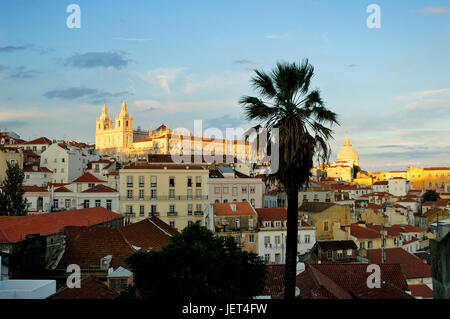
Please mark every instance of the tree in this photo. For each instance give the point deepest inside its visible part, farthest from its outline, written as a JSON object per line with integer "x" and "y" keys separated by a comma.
{"x": 12, "y": 201}
{"x": 430, "y": 196}
{"x": 197, "y": 265}
{"x": 300, "y": 115}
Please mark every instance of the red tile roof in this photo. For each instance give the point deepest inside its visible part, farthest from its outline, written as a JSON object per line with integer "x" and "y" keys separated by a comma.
{"x": 169, "y": 166}
{"x": 100, "y": 188}
{"x": 34, "y": 189}
{"x": 412, "y": 266}
{"x": 421, "y": 290}
{"x": 88, "y": 178}
{"x": 40, "y": 140}
{"x": 336, "y": 244}
{"x": 275, "y": 214}
{"x": 381, "y": 183}
{"x": 436, "y": 169}
{"x": 148, "y": 233}
{"x": 409, "y": 228}
{"x": 242, "y": 208}
{"x": 374, "y": 206}
{"x": 14, "y": 228}
{"x": 86, "y": 246}
{"x": 90, "y": 288}
{"x": 361, "y": 232}
{"x": 62, "y": 189}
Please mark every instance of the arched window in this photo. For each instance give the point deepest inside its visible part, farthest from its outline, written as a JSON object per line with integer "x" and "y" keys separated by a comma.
{"x": 119, "y": 123}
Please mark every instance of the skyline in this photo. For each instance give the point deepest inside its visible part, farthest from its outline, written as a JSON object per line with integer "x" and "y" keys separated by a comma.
{"x": 389, "y": 86}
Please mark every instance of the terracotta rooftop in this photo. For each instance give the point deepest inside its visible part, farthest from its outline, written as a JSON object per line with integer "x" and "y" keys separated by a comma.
{"x": 363, "y": 232}
{"x": 169, "y": 166}
{"x": 148, "y": 233}
{"x": 30, "y": 169}
{"x": 14, "y": 228}
{"x": 412, "y": 266}
{"x": 242, "y": 208}
{"x": 421, "y": 290}
{"x": 62, "y": 189}
{"x": 275, "y": 214}
{"x": 336, "y": 244}
{"x": 90, "y": 288}
{"x": 315, "y": 207}
{"x": 40, "y": 140}
{"x": 100, "y": 188}
{"x": 86, "y": 246}
{"x": 88, "y": 178}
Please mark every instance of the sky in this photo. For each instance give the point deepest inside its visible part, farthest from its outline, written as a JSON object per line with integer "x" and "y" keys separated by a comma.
{"x": 179, "y": 61}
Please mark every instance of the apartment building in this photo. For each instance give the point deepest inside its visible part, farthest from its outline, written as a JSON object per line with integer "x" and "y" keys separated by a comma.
{"x": 10, "y": 155}
{"x": 177, "y": 194}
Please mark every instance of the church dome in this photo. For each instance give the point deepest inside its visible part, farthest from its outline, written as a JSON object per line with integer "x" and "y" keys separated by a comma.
{"x": 348, "y": 153}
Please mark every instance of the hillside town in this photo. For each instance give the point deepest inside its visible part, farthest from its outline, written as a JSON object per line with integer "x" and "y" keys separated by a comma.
{"x": 96, "y": 205}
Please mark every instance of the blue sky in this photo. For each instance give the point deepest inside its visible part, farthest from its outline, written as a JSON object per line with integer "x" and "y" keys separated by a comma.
{"x": 179, "y": 61}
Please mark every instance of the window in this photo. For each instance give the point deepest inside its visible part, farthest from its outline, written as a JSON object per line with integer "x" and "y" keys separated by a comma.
{"x": 189, "y": 181}
{"x": 251, "y": 238}
{"x": 86, "y": 203}
{"x": 225, "y": 200}
{"x": 237, "y": 224}
{"x": 55, "y": 203}
{"x": 198, "y": 181}
{"x": 172, "y": 181}
{"x": 277, "y": 258}
{"x": 172, "y": 223}
{"x": 153, "y": 194}
{"x": 307, "y": 239}
{"x": 141, "y": 210}
{"x": 234, "y": 190}
{"x": 369, "y": 244}
{"x": 252, "y": 189}
{"x": 340, "y": 253}
{"x": 225, "y": 189}
{"x": 362, "y": 245}
{"x": 130, "y": 181}
{"x": 97, "y": 203}
{"x": 172, "y": 208}
{"x": 109, "y": 204}
{"x": 91, "y": 185}
{"x": 45, "y": 161}
{"x": 189, "y": 194}
{"x": 190, "y": 222}
{"x": 63, "y": 160}
{"x": 330, "y": 254}
{"x": 267, "y": 258}
{"x": 129, "y": 209}
{"x": 198, "y": 194}
{"x": 325, "y": 226}
{"x": 266, "y": 240}
{"x": 189, "y": 209}
{"x": 277, "y": 240}
{"x": 171, "y": 194}
{"x": 349, "y": 252}
{"x": 217, "y": 190}
{"x": 252, "y": 201}
{"x": 153, "y": 181}
{"x": 67, "y": 203}
{"x": 130, "y": 194}
{"x": 244, "y": 190}
{"x": 250, "y": 223}
{"x": 141, "y": 181}
{"x": 198, "y": 208}
{"x": 153, "y": 209}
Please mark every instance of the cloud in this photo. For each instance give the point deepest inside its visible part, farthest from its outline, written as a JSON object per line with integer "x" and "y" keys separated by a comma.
{"x": 95, "y": 96}
{"x": 22, "y": 72}
{"x": 133, "y": 39}
{"x": 435, "y": 10}
{"x": 433, "y": 102}
{"x": 161, "y": 78}
{"x": 12, "y": 48}
{"x": 197, "y": 82}
{"x": 147, "y": 105}
{"x": 9, "y": 124}
{"x": 90, "y": 60}
{"x": 223, "y": 122}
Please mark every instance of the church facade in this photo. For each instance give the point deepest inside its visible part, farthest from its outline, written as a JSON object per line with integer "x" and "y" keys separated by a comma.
{"x": 119, "y": 139}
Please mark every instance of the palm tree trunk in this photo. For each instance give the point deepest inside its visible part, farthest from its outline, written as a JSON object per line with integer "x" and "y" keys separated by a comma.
{"x": 291, "y": 245}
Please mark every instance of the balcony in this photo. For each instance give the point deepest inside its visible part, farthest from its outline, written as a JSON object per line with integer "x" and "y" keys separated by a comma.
{"x": 198, "y": 213}
{"x": 171, "y": 214}
{"x": 198, "y": 184}
{"x": 153, "y": 214}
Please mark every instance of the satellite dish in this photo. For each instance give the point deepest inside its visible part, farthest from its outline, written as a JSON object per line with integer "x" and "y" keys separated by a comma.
{"x": 297, "y": 291}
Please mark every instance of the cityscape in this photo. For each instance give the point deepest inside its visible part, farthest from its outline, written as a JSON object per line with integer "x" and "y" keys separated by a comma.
{"x": 137, "y": 164}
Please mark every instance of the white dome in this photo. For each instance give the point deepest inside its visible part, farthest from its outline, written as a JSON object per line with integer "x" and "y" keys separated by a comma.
{"x": 348, "y": 153}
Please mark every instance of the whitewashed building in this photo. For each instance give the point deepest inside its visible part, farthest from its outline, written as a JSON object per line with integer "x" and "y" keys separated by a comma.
{"x": 272, "y": 232}
{"x": 36, "y": 175}
{"x": 67, "y": 163}
{"x": 399, "y": 186}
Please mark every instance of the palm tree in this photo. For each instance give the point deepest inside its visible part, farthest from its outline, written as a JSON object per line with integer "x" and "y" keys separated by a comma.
{"x": 287, "y": 103}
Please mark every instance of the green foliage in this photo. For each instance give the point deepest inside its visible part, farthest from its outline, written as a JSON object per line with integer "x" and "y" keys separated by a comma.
{"x": 197, "y": 265}
{"x": 12, "y": 201}
{"x": 430, "y": 196}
